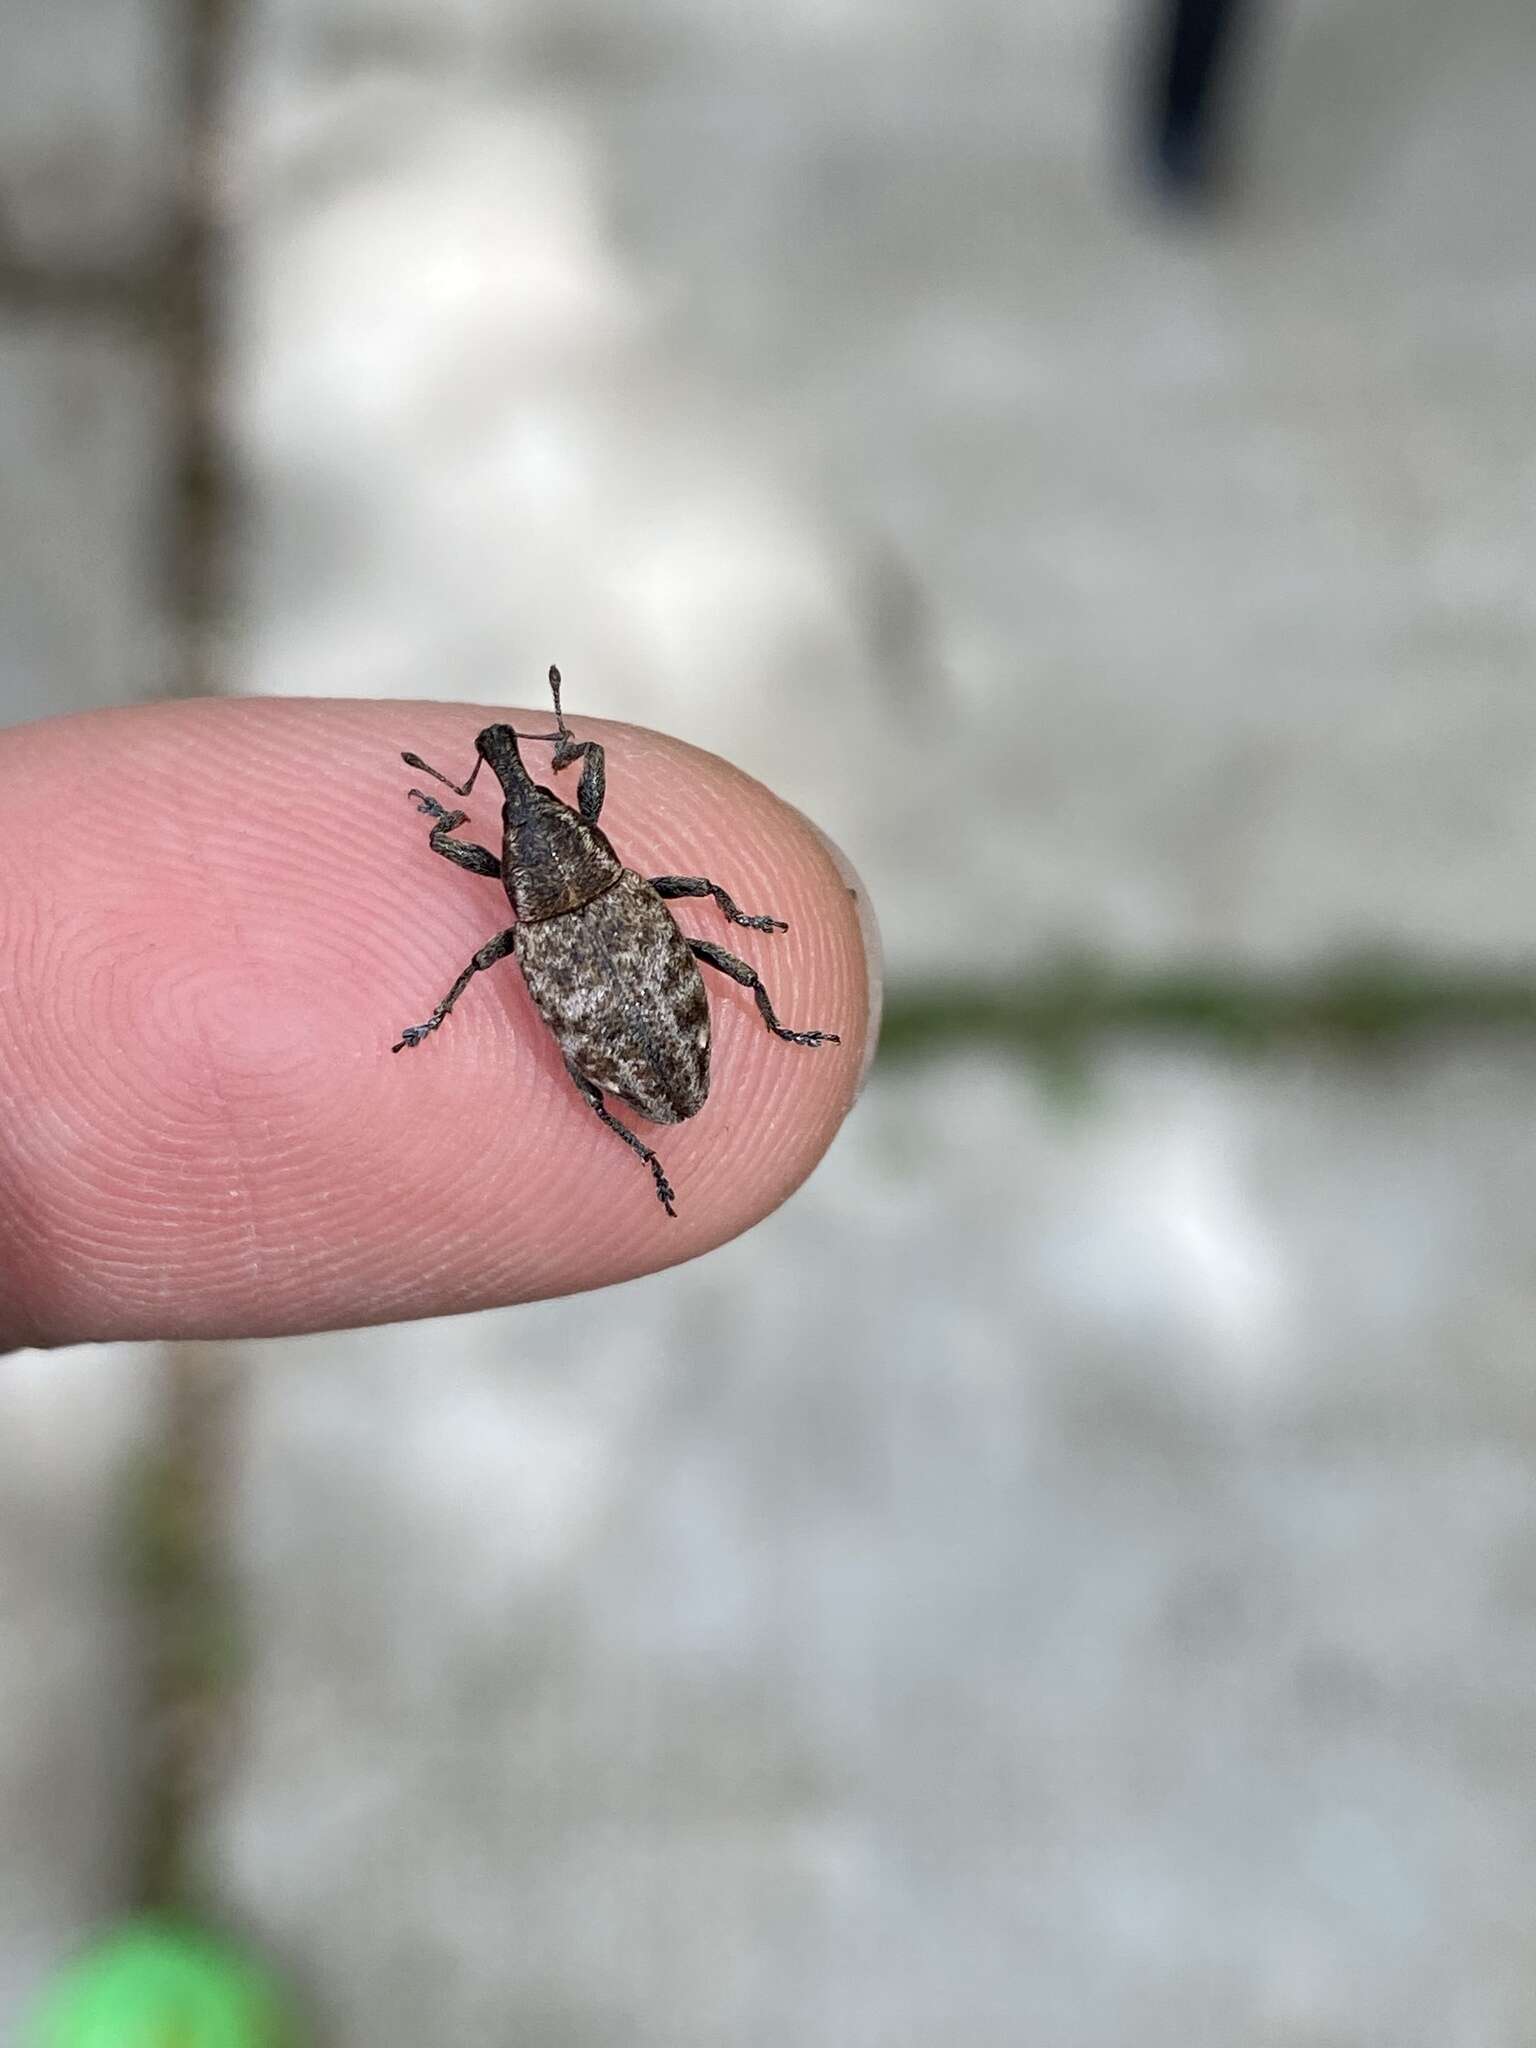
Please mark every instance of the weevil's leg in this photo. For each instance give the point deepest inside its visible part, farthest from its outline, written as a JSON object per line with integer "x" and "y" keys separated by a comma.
{"x": 437, "y": 775}
{"x": 594, "y": 1096}
{"x": 695, "y": 885}
{"x": 492, "y": 951}
{"x": 594, "y": 778}
{"x": 738, "y": 970}
{"x": 462, "y": 852}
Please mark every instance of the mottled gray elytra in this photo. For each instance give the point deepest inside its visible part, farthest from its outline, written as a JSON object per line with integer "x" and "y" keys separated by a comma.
{"x": 612, "y": 975}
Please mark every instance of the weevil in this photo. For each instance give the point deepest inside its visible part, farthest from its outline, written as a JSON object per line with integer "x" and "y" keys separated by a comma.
{"x": 610, "y": 971}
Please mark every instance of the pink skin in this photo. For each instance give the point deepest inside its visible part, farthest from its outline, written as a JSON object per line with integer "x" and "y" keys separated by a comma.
{"x": 215, "y": 919}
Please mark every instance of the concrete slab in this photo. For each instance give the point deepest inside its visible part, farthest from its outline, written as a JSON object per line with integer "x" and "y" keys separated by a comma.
{"x": 1067, "y": 1577}
{"x": 83, "y": 553}
{"x": 89, "y": 121}
{"x": 821, "y": 387}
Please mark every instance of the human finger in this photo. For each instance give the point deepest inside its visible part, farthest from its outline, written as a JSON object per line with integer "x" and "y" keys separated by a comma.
{"x": 217, "y": 915}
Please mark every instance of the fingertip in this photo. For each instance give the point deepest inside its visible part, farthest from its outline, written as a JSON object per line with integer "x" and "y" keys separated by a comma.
{"x": 205, "y": 1137}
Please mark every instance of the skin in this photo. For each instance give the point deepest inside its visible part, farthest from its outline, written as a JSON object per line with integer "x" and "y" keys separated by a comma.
{"x": 215, "y": 917}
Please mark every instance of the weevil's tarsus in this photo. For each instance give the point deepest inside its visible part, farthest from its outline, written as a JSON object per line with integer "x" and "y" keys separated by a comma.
{"x": 594, "y": 1096}
{"x": 492, "y": 951}
{"x": 738, "y": 970}
{"x": 479, "y": 860}
{"x": 695, "y": 885}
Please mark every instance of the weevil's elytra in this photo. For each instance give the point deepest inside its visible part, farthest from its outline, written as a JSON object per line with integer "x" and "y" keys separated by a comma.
{"x": 606, "y": 964}
{"x": 651, "y": 1050}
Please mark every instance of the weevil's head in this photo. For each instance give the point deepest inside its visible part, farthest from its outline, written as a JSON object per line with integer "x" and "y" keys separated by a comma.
{"x": 497, "y": 746}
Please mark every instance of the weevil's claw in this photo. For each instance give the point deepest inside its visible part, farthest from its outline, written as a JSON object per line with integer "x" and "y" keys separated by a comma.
{"x": 413, "y": 1034}
{"x": 761, "y": 924}
{"x": 811, "y": 1037}
{"x": 429, "y": 807}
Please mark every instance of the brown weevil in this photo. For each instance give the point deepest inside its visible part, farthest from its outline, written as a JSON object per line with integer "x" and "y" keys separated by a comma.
{"x": 610, "y": 972}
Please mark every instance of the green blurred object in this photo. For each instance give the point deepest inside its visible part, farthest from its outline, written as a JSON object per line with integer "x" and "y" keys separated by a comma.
{"x": 158, "y": 1985}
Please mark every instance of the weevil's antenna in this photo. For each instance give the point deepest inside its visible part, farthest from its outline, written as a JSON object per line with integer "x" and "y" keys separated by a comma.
{"x": 458, "y": 788}
{"x": 554, "y": 690}
{"x": 563, "y": 736}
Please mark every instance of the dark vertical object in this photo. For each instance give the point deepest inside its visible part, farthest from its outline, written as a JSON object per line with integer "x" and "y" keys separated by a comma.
{"x": 183, "y": 1595}
{"x": 184, "y": 1604}
{"x": 199, "y": 523}
{"x": 1188, "y": 74}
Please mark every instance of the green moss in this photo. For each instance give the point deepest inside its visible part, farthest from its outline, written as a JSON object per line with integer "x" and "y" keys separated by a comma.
{"x": 1057, "y": 1016}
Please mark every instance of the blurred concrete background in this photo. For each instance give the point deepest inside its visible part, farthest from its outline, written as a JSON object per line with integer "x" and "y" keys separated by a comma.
{"x": 1071, "y": 1576}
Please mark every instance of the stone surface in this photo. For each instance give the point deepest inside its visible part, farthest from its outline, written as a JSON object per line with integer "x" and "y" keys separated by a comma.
{"x": 74, "y": 1427}
{"x": 89, "y": 132}
{"x": 819, "y": 385}
{"x": 1069, "y": 1576}
{"x": 83, "y": 551}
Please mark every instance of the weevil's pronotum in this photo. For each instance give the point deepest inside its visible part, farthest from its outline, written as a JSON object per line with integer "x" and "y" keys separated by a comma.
{"x": 614, "y": 978}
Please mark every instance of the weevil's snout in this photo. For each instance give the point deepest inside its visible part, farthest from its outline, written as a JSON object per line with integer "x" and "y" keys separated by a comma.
{"x": 496, "y": 743}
